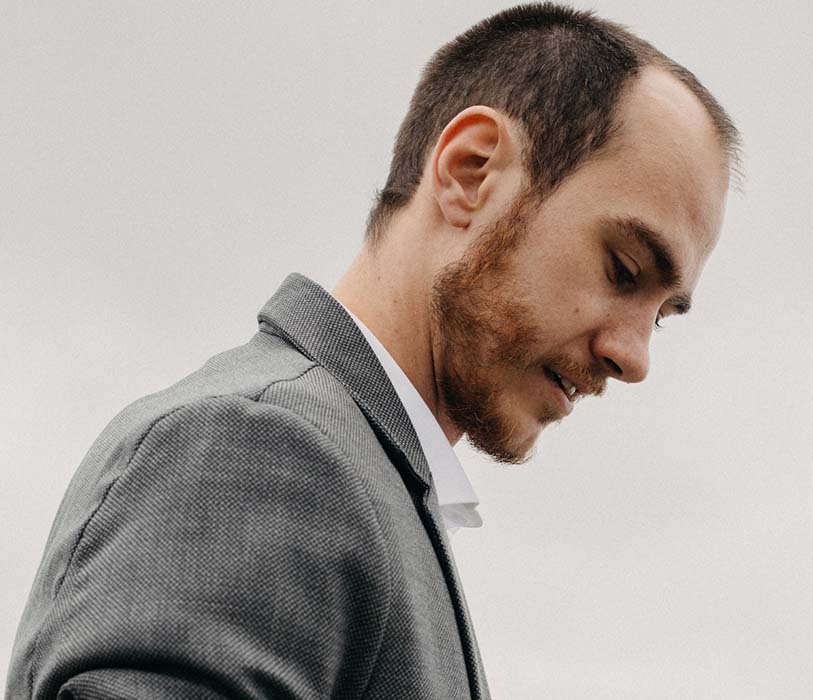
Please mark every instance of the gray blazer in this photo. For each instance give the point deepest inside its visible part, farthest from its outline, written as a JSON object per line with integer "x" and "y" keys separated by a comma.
{"x": 264, "y": 528}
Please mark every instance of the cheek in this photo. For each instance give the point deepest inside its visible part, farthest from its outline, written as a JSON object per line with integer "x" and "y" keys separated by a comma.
{"x": 518, "y": 335}
{"x": 592, "y": 300}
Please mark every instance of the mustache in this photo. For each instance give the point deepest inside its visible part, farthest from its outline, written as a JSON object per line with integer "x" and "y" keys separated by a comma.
{"x": 593, "y": 380}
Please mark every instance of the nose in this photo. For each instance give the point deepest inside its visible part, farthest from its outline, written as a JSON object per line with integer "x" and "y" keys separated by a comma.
{"x": 624, "y": 351}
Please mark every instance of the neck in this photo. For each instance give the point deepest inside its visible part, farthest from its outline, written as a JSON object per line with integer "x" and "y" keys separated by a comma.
{"x": 389, "y": 290}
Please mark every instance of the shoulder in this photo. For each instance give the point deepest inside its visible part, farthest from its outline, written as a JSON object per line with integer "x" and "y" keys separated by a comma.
{"x": 223, "y": 507}
{"x": 260, "y": 468}
{"x": 266, "y": 456}
{"x": 232, "y": 519}
{"x": 261, "y": 419}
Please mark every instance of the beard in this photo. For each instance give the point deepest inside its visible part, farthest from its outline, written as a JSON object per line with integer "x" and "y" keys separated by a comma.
{"x": 487, "y": 340}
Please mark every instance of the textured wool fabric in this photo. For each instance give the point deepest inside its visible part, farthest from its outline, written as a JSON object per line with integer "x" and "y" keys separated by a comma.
{"x": 458, "y": 502}
{"x": 264, "y": 528}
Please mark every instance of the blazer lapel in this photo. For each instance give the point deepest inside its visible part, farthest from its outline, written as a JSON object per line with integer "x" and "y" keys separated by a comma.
{"x": 312, "y": 320}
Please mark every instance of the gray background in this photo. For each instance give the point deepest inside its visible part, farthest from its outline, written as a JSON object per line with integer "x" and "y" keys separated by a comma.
{"x": 163, "y": 166}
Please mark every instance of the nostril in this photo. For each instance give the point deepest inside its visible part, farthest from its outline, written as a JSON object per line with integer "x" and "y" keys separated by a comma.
{"x": 615, "y": 368}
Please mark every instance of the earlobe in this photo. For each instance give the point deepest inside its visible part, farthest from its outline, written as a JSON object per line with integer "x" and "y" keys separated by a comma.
{"x": 465, "y": 161}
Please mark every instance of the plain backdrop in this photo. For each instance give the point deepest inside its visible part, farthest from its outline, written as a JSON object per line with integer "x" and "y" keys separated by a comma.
{"x": 164, "y": 165}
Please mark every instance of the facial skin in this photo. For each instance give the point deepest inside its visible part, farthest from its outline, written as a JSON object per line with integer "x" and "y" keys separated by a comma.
{"x": 478, "y": 288}
{"x": 490, "y": 341}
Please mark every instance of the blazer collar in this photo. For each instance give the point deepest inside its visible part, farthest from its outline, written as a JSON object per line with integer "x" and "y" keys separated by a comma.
{"x": 312, "y": 320}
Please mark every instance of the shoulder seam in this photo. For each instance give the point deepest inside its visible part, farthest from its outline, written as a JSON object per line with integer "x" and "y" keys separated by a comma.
{"x": 102, "y": 500}
{"x": 146, "y": 434}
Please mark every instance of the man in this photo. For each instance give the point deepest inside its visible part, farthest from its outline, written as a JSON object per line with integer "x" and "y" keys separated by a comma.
{"x": 273, "y": 525}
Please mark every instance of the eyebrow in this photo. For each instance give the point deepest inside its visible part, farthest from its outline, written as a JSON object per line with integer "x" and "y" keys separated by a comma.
{"x": 655, "y": 242}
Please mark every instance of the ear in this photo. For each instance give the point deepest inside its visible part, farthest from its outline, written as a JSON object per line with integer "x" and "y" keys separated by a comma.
{"x": 474, "y": 150}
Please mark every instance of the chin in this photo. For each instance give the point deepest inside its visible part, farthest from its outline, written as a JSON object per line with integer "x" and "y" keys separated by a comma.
{"x": 521, "y": 448}
{"x": 533, "y": 434}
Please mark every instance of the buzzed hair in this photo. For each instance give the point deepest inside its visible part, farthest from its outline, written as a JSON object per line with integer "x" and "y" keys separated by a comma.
{"x": 558, "y": 71}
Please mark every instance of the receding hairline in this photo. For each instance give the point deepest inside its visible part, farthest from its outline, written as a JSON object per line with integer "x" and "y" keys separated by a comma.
{"x": 464, "y": 72}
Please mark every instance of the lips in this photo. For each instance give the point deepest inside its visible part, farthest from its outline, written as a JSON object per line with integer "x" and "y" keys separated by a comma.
{"x": 564, "y": 404}
{"x": 569, "y": 389}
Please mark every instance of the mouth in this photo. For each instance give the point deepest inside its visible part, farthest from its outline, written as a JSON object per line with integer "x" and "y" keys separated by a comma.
{"x": 567, "y": 387}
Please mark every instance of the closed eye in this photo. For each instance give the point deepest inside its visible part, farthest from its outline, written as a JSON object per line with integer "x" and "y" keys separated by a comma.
{"x": 623, "y": 276}
{"x": 626, "y": 280}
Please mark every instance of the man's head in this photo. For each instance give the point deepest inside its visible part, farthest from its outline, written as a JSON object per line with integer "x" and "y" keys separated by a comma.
{"x": 572, "y": 285}
{"x": 574, "y": 180}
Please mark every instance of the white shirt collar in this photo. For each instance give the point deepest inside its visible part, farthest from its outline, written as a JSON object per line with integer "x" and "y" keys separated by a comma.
{"x": 458, "y": 502}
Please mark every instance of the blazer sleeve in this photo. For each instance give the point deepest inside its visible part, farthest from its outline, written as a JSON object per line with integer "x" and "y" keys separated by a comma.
{"x": 236, "y": 556}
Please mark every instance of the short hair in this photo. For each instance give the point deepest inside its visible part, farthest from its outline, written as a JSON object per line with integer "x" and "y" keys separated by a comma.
{"x": 558, "y": 71}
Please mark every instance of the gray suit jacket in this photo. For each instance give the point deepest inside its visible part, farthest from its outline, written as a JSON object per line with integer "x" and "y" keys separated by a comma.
{"x": 264, "y": 528}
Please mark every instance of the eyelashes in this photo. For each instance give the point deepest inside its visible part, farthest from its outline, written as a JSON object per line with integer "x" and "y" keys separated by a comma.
{"x": 623, "y": 277}
{"x": 626, "y": 281}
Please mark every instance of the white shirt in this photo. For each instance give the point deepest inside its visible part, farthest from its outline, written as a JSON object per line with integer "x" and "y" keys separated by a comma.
{"x": 458, "y": 502}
